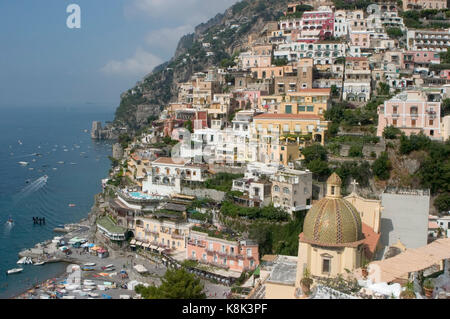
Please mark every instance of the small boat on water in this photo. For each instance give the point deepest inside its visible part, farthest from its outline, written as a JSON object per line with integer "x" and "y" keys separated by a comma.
{"x": 90, "y": 264}
{"x": 23, "y": 163}
{"x": 72, "y": 205}
{"x": 85, "y": 268}
{"x": 93, "y": 295}
{"x": 9, "y": 222}
{"x": 39, "y": 263}
{"x": 14, "y": 271}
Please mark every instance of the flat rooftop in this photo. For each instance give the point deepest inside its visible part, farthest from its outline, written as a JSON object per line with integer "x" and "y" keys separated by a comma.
{"x": 284, "y": 270}
{"x": 406, "y": 191}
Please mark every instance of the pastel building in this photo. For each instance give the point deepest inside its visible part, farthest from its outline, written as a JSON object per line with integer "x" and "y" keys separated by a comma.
{"x": 357, "y": 84}
{"x": 165, "y": 175}
{"x": 162, "y": 233}
{"x": 233, "y": 255}
{"x": 419, "y": 59}
{"x": 437, "y": 40}
{"x": 292, "y": 189}
{"x": 424, "y": 4}
{"x": 335, "y": 240}
{"x": 411, "y": 112}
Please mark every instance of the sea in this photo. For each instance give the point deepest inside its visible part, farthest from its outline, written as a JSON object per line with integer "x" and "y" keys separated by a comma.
{"x": 53, "y": 141}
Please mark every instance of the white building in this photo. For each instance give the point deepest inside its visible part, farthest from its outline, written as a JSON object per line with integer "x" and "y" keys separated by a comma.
{"x": 166, "y": 174}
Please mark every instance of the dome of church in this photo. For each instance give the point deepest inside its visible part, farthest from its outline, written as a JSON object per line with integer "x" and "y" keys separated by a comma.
{"x": 332, "y": 220}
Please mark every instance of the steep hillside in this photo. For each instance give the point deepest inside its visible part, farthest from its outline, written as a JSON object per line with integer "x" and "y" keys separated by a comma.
{"x": 158, "y": 88}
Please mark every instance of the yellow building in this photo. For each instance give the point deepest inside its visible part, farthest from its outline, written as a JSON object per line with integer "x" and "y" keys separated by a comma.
{"x": 162, "y": 233}
{"x": 334, "y": 240}
{"x": 305, "y": 101}
{"x": 277, "y": 125}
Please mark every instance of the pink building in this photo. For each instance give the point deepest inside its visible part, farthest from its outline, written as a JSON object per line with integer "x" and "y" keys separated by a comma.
{"x": 248, "y": 96}
{"x": 414, "y": 59}
{"x": 232, "y": 255}
{"x": 321, "y": 21}
{"x": 411, "y": 112}
{"x": 445, "y": 74}
{"x": 360, "y": 38}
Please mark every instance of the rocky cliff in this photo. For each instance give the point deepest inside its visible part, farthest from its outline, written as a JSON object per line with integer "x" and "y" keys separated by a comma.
{"x": 226, "y": 32}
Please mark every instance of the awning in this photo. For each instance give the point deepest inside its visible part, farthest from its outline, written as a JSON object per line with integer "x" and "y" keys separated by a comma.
{"x": 146, "y": 245}
{"x": 133, "y": 241}
{"x": 153, "y": 247}
{"x": 138, "y": 243}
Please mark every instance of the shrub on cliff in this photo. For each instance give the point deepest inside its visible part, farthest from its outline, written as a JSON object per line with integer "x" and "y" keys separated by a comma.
{"x": 176, "y": 284}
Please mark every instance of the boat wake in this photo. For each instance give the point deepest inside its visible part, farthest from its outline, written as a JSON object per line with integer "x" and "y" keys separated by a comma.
{"x": 33, "y": 186}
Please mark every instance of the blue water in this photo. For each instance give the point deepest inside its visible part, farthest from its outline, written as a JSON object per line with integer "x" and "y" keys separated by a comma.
{"x": 57, "y": 133}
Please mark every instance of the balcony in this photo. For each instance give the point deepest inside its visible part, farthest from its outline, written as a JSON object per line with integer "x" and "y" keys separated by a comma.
{"x": 414, "y": 115}
{"x": 198, "y": 244}
{"x": 151, "y": 232}
{"x": 395, "y": 115}
{"x": 177, "y": 236}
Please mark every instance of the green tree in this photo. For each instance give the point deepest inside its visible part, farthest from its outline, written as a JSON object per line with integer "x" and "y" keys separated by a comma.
{"x": 391, "y": 132}
{"x": 319, "y": 168}
{"x": 280, "y": 61}
{"x": 381, "y": 166}
{"x": 442, "y": 202}
{"x": 394, "y": 32}
{"x": 383, "y": 89}
{"x": 176, "y": 284}
{"x": 188, "y": 125}
{"x": 355, "y": 151}
{"x": 314, "y": 152}
{"x": 445, "y": 107}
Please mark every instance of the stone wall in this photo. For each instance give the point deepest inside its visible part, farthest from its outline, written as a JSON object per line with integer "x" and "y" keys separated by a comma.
{"x": 204, "y": 193}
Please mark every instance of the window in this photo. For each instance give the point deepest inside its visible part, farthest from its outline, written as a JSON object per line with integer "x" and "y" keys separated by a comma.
{"x": 394, "y": 122}
{"x": 286, "y": 190}
{"x": 394, "y": 109}
{"x": 326, "y": 263}
{"x": 431, "y": 122}
{"x": 301, "y": 108}
{"x": 332, "y": 190}
{"x": 276, "y": 188}
{"x": 204, "y": 256}
{"x": 249, "y": 252}
{"x": 288, "y": 109}
{"x": 413, "y": 123}
{"x": 310, "y": 108}
{"x": 286, "y": 128}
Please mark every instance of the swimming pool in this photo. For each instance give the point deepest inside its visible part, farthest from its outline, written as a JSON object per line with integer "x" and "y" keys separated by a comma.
{"x": 139, "y": 195}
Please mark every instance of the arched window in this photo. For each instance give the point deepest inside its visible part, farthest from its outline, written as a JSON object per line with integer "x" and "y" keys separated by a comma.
{"x": 286, "y": 190}
{"x": 276, "y": 188}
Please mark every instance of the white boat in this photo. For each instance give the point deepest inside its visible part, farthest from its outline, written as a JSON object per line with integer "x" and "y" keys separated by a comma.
{"x": 108, "y": 266}
{"x": 90, "y": 264}
{"x": 93, "y": 295}
{"x": 39, "y": 263}
{"x": 14, "y": 271}
{"x": 23, "y": 163}
{"x": 9, "y": 222}
{"x": 21, "y": 260}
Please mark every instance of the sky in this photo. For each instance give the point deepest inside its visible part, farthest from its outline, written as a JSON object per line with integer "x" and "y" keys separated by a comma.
{"x": 45, "y": 63}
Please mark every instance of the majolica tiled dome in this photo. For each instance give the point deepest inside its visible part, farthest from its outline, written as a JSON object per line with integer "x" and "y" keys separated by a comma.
{"x": 332, "y": 220}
